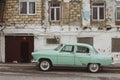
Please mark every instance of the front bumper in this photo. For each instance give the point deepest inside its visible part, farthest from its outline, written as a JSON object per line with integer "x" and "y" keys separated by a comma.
{"x": 34, "y": 61}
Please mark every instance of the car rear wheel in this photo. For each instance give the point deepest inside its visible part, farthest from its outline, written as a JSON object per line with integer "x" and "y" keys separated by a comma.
{"x": 44, "y": 65}
{"x": 93, "y": 67}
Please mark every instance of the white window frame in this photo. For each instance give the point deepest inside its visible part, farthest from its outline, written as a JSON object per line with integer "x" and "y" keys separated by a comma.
{"x": 98, "y": 11}
{"x": 28, "y": 1}
{"x": 55, "y": 16}
{"x": 116, "y": 13}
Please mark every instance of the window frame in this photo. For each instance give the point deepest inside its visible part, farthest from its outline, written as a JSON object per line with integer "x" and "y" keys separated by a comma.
{"x": 116, "y": 13}
{"x": 55, "y": 9}
{"x": 98, "y": 11}
{"x": 28, "y": 2}
{"x": 73, "y": 47}
{"x": 82, "y": 52}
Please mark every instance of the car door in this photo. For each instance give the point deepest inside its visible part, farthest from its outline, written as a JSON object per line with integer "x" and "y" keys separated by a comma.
{"x": 82, "y": 56}
{"x": 66, "y": 56}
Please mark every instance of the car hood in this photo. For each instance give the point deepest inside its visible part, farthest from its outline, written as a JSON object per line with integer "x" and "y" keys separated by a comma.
{"x": 45, "y": 51}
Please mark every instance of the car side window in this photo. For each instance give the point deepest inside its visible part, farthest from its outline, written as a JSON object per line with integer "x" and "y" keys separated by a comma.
{"x": 68, "y": 48}
{"x": 82, "y": 49}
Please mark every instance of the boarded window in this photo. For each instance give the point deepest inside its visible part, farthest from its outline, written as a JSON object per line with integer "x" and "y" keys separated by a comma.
{"x": 52, "y": 41}
{"x": 87, "y": 40}
{"x": 98, "y": 12}
{"x": 115, "y": 44}
{"x": 118, "y": 13}
{"x": 55, "y": 11}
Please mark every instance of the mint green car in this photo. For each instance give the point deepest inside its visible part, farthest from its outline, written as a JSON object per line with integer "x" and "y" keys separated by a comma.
{"x": 72, "y": 55}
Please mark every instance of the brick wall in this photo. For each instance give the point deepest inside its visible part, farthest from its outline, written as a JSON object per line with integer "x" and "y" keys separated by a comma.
{"x": 12, "y": 16}
{"x": 75, "y": 12}
{"x": 70, "y": 13}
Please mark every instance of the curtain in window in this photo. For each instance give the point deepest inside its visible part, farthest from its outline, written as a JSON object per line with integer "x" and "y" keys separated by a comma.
{"x": 95, "y": 13}
{"x": 23, "y": 7}
{"x": 57, "y": 13}
{"x": 52, "y": 14}
{"x": 32, "y": 7}
{"x": 101, "y": 10}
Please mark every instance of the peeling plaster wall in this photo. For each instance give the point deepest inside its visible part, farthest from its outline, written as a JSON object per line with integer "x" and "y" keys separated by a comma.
{"x": 103, "y": 43}
{"x": 110, "y": 12}
{"x": 45, "y": 9}
{"x": 86, "y": 13}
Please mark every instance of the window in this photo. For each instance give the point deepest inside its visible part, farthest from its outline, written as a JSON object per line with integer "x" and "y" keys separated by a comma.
{"x": 87, "y": 40}
{"x": 115, "y": 44}
{"x": 98, "y": 12}
{"x": 68, "y": 48}
{"x": 52, "y": 41}
{"x": 54, "y": 11}
{"x": 118, "y": 13}
{"x": 27, "y": 7}
{"x": 81, "y": 49}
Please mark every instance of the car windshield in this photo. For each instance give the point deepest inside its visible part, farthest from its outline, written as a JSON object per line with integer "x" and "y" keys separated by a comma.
{"x": 95, "y": 50}
{"x": 57, "y": 48}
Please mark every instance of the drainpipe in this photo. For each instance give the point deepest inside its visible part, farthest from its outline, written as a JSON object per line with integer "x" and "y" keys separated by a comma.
{"x": 45, "y": 21}
{"x": 2, "y": 47}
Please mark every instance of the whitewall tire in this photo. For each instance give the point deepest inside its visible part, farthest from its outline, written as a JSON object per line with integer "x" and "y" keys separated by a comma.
{"x": 44, "y": 65}
{"x": 93, "y": 67}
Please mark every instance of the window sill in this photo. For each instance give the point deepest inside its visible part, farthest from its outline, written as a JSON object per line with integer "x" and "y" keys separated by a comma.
{"x": 55, "y": 21}
{"x": 27, "y": 14}
{"x": 99, "y": 20}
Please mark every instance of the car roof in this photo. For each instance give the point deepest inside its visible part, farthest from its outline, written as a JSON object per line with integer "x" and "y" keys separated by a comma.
{"x": 79, "y": 44}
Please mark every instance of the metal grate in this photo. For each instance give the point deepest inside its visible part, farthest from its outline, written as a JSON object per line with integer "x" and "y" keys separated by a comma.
{"x": 115, "y": 44}
{"x": 87, "y": 40}
{"x": 52, "y": 41}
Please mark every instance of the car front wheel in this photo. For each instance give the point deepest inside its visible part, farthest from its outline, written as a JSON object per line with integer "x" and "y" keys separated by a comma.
{"x": 93, "y": 67}
{"x": 44, "y": 65}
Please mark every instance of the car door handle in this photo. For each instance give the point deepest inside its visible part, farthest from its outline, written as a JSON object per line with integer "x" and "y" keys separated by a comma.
{"x": 71, "y": 53}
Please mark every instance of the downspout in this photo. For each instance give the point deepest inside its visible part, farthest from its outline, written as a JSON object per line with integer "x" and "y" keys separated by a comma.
{"x": 2, "y": 27}
{"x": 1, "y": 47}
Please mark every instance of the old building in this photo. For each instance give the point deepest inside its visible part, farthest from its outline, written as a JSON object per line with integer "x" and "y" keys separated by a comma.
{"x": 30, "y": 25}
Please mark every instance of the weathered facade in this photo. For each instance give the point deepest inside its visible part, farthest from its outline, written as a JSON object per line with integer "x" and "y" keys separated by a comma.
{"x": 44, "y": 24}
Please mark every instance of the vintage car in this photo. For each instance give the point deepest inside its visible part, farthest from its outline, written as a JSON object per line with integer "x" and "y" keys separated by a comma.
{"x": 72, "y": 55}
